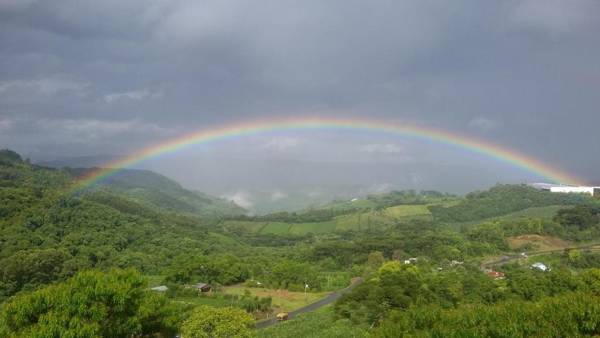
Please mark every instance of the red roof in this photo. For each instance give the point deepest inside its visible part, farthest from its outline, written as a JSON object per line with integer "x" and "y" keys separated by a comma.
{"x": 496, "y": 274}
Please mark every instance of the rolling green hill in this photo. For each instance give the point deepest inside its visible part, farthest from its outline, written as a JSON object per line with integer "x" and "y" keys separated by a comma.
{"x": 546, "y": 213}
{"x": 49, "y": 237}
{"x": 159, "y": 192}
{"x": 48, "y": 234}
{"x": 503, "y": 199}
{"x": 363, "y": 219}
{"x": 383, "y": 211}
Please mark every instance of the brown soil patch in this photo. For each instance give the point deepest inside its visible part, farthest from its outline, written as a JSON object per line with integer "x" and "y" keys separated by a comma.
{"x": 539, "y": 243}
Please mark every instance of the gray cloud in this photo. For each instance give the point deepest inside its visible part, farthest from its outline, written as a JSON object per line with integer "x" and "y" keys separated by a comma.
{"x": 482, "y": 124}
{"x": 553, "y": 16}
{"x": 282, "y": 144}
{"x": 132, "y": 95}
{"x": 241, "y": 198}
{"x": 89, "y": 77}
{"x": 387, "y": 148}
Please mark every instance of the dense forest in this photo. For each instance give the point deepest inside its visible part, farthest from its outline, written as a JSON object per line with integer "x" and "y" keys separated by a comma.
{"x": 431, "y": 264}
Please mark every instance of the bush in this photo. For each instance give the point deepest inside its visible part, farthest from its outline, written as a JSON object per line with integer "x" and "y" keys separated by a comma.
{"x": 206, "y": 321}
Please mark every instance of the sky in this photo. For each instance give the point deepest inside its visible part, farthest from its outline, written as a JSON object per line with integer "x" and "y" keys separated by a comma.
{"x": 102, "y": 79}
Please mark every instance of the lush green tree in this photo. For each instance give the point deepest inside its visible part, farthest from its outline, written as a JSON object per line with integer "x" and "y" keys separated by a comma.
{"x": 91, "y": 304}
{"x": 206, "y": 321}
{"x": 574, "y": 255}
{"x": 503, "y": 199}
{"x": 315, "y": 325}
{"x": 222, "y": 269}
{"x": 375, "y": 260}
{"x": 289, "y": 274}
{"x": 489, "y": 232}
{"x": 569, "y": 315}
{"x": 29, "y": 269}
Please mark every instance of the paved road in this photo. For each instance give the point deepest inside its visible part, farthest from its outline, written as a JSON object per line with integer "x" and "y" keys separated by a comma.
{"x": 332, "y": 297}
{"x": 510, "y": 258}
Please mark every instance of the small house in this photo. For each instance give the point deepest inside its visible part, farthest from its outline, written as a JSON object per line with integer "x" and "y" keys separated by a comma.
{"x": 411, "y": 260}
{"x": 496, "y": 274}
{"x": 162, "y": 288}
{"x": 202, "y": 287}
{"x": 540, "y": 266}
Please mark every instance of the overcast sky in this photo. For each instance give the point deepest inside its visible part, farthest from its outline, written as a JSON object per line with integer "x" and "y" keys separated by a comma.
{"x": 109, "y": 77}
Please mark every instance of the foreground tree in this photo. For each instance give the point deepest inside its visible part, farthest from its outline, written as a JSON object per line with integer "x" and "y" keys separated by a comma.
{"x": 91, "y": 304}
{"x": 206, "y": 321}
{"x": 375, "y": 260}
{"x": 567, "y": 315}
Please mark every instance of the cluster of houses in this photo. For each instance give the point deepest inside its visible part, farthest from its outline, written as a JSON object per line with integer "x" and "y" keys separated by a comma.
{"x": 500, "y": 275}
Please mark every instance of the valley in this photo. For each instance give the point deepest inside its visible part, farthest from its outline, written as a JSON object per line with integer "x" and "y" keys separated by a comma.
{"x": 419, "y": 257}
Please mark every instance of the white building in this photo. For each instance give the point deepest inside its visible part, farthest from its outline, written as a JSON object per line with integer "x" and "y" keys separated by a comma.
{"x": 540, "y": 266}
{"x": 161, "y": 288}
{"x": 594, "y": 191}
{"x": 411, "y": 260}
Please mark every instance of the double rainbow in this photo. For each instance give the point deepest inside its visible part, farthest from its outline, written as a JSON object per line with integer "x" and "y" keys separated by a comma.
{"x": 503, "y": 154}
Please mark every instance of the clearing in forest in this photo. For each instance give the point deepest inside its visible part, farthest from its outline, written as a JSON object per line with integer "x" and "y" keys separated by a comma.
{"x": 538, "y": 242}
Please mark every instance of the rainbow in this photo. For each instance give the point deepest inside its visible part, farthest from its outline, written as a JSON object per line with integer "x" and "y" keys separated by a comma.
{"x": 207, "y": 135}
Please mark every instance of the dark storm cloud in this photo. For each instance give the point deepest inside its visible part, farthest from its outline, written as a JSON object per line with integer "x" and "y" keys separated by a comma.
{"x": 87, "y": 77}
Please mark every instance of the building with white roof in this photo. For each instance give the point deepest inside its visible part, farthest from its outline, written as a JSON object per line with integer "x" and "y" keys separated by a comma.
{"x": 594, "y": 191}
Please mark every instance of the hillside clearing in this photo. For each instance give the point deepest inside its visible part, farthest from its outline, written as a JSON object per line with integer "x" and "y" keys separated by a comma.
{"x": 283, "y": 300}
{"x": 538, "y": 242}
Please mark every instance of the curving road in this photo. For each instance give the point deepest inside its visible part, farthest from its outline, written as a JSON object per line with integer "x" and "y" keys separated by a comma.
{"x": 513, "y": 257}
{"x": 330, "y": 298}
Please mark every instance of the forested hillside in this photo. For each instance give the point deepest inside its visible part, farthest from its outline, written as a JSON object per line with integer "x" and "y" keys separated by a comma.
{"x": 384, "y": 211}
{"x": 159, "y": 192}
{"x": 427, "y": 261}
{"x": 501, "y": 200}
{"x": 48, "y": 234}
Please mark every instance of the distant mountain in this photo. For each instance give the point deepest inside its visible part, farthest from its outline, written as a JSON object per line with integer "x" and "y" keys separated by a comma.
{"x": 261, "y": 202}
{"x": 149, "y": 188}
{"x": 8, "y": 156}
{"x": 386, "y": 210}
{"x": 78, "y": 161}
{"x": 157, "y": 191}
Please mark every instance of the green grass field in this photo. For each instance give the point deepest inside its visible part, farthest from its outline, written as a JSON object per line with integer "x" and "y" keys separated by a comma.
{"x": 283, "y": 300}
{"x": 368, "y": 219}
{"x": 377, "y": 219}
{"x": 547, "y": 212}
{"x": 407, "y": 210}
{"x": 539, "y": 212}
{"x": 215, "y": 301}
{"x": 315, "y": 228}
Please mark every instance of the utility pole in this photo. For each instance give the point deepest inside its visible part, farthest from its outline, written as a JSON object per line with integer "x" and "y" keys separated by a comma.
{"x": 305, "y": 295}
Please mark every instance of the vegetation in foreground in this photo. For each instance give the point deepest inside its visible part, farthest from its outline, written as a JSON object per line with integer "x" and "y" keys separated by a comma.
{"x": 78, "y": 265}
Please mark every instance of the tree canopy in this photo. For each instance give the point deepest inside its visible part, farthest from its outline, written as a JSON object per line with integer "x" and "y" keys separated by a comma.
{"x": 206, "y": 321}
{"x": 91, "y": 304}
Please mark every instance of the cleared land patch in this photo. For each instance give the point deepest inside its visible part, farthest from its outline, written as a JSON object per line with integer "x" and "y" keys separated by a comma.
{"x": 538, "y": 242}
{"x": 283, "y": 300}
